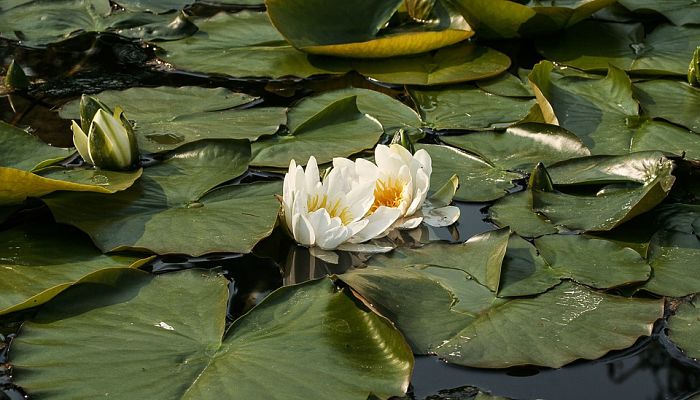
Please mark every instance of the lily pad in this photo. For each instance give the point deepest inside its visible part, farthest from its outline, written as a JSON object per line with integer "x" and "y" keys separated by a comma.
{"x": 167, "y": 117}
{"x": 313, "y": 324}
{"x": 481, "y": 256}
{"x": 607, "y": 125}
{"x": 155, "y": 6}
{"x": 674, "y": 250}
{"x": 522, "y": 146}
{"x": 673, "y": 101}
{"x": 619, "y": 188}
{"x": 458, "y": 63}
{"x": 593, "y": 45}
{"x": 41, "y": 22}
{"x": 477, "y": 329}
{"x": 358, "y": 29}
{"x": 244, "y": 44}
{"x": 391, "y": 113}
{"x": 515, "y": 211}
{"x": 508, "y": 84}
{"x": 21, "y": 150}
{"x": 38, "y": 262}
{"x": 173, "y": 208}
{"x": 509, "y": 19}
{"x": 468, "y": 107}
{"x": 321, "y": 129}
{"x": 684, "y": 329}
{"x": 680, "y": 12}
{"x": 479, "y": 180}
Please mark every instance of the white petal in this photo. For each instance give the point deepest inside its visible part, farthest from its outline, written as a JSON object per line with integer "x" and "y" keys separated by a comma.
{"x": 311, "y": 175}
{"x": 424, "y": 159}
{"x": 302, "y": 230}
{"x": 379, "y": 222}
{"x": 365, "y": 248}
{"x": 80, "y": 141}
{"x": 330, "y": 239}
{"x": 422, "y": 184}
{"x": 366, "y": 170}
{"x": 409, "y": 223}
{"x": 443, "y": 216}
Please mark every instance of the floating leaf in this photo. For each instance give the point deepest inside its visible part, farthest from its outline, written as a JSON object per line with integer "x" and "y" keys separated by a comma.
{"x": 508, "y": 84}
{"x": 38, "y": 262}
{"x": 509, "y": 19}
{"x": 684, "y": 329}
{"x": 522, "y": 146}
{"x": 168, "y": 334}
{"x": 44, "y": 22}
{"x": 168, "y": 117}
{"x": 391, "y": 113}
{"x": 480, "y": 256}
{"x": 674, "y": 250}
{"x": 468, "y": 107}
{"x": 359, "y": 29}
{"x": 21, "y": 150}
{"x": 156, "y": 214}
{"x": 621, "y": 187}
{"x": 458, "y": 63}
{"x": 515, "y": 211}
{"x": 462, "y": 321}
{"x": 244, "y": 44}
{"x": 680, "y": 12}
{"x": 594, "y": 45}
{"x": 478, "y": 179}
{"x": 673, "y": 101}
{"x": 320, "y": 129}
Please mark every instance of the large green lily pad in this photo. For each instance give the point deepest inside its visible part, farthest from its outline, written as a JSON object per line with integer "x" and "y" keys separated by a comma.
{"x": 244, "y": 44}
{"x": 38, "y": 262}
{"x": 515, "y": 211}
{"x": 41, "y": 22}
{"x": 508, "y": 84}
{"x": 167, "y": 117}
{"x": 458, "y": 63}
{"x": 21, "y": 150}
{"x": 609, "y": 124}
{"x": 594, "y": 45}
{"x": 680, "y": 12}
{"x": 522, "y": 146}
{"x": 673, "y": 101}
{"x": 322, "y": 129}
{"x": 674, "y": 250}
{"x": 358, "y": 29}
{"x": 168, "y": 334}
{"x": 172, "y": 209}
{"x": 479, "y": 180}
{"x": 684, "y": 329}
{"x": 468, "y": 107}
{"x": 508, "y": 19}
{"x": 618, "y": 189}
{"x": 464, "y": 323}
{"x": 481, "y": 256}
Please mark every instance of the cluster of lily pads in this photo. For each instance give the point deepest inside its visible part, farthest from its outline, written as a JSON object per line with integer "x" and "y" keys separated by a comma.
{"x": 587, "y": 158}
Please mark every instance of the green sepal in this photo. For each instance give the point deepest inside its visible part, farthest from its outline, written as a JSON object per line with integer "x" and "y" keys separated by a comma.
{"x": 540, "y": 179}
{"x": 444, "y": 195}
{"x": 88, "y": 108}
{"x": 694, "y": 69}
{"x": 402, "y": 138}
{"x": 15, "y": 79}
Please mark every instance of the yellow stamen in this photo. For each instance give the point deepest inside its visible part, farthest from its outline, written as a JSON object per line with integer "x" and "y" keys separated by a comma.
{"x": 334, "y": 209}
{"x": 387, "y": 193}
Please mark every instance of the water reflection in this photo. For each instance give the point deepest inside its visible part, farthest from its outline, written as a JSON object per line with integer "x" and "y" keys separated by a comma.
{"x": 647, "y": 372}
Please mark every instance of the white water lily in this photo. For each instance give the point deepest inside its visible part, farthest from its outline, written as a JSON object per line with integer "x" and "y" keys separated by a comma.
{"x": 110, "y": 141}
{"x": 401, "y": 181}
{"x": 333, "y": 213}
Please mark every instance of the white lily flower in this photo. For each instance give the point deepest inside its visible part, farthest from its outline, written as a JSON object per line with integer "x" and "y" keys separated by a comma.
{"x": 333, "y": 212}
{"x": 401, "y": 182}
{"x": 110, "y": 141}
